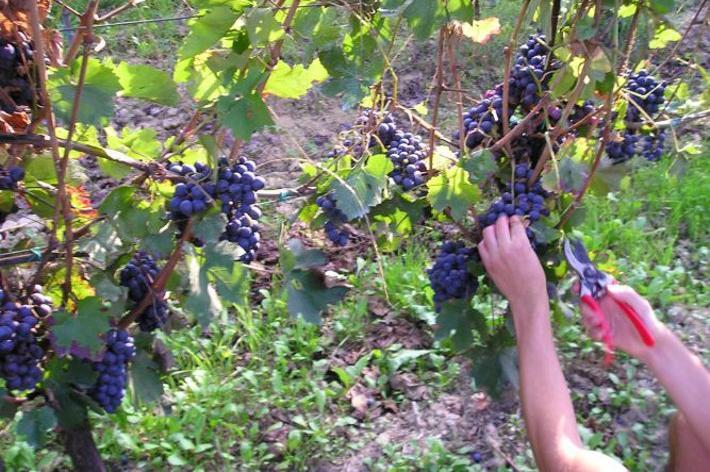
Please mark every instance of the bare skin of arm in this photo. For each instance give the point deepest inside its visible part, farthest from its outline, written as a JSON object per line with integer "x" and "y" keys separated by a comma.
{"x": 547, "y": 407}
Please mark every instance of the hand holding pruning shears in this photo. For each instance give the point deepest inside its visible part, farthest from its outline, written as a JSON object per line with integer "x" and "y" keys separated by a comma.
{"x": 613, "y": 314}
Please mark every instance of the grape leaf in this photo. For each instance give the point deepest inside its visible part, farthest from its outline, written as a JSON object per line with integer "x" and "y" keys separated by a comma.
{"x": 208, "y": 29}
{"x": 97, "y": 96}
{"x": 423, "y": 17}
{"x": 480, "y": 166}
{"x": 81, "y": 331}
{"x": 262, "y": 27}
{"x": 487, "y": 372}
{"x": 140, "y": 144}
{"x": 211, "y": 226}
{"x": 202, "y": 300}
{"x": 103, "y": 247}
{"x": 358, "y": 192}
{"x": 662, "y": 6}
{"x": 294, "y": 82}
{"x": 243, "y": 115}
{"x": 146, "y": 385}
{"x": 456, "y": 320}
{"x": 308, "y": 295}
{"x": 481, "y": 31}
{"x": 664, "y": 35}
{"x": 230, "y": 278}
{"x": 297, "y": 257}
{"x": 453, "y": 190}
{"x": 147, "y": 83}
{"x": 34, "y": 424}
{"x": 7, "y": 409}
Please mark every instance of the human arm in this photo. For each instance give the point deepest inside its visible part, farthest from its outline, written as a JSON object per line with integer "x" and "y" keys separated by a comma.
{"x": 547, "y": 406}
{"x": 680, "y": 372}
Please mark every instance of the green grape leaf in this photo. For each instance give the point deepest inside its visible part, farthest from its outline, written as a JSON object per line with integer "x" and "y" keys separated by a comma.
{"x": 230, "y": 278}
{"x": 34, "y": 424}
{"x": 104, "y": 247}
{"x": 69, "y": 371}
{"x": 424, "y": 17}
{"x": 147, "y": 83}
{"x": 243, "y": 115}
{"x": 294, "y": 82}
{"x": 140, "y": 144}
{"x": 360, "y": 190}
{"x": 456, "y": 320}
{"x": 211, "y": 226}
{"x": 146, "y": 386}
{"x": 308, "y": 295}
{"x": 106, "y": 288}
{"x": 206, "y": 30}
{"x": 487, "y": 372}
{"x": 480, "y": 165}
{"x": 7, "y": 409}
{"x": 296, "y": 257}
{"x": 83, "y": 329}
{"x": 97, "y": 96}
{"x": 664, "y": 35}
{"x": 453, "y": 190}
{"x": 202, "y": 300}
{"x": 262, "y": 27}
{"x": 662, "y": 6}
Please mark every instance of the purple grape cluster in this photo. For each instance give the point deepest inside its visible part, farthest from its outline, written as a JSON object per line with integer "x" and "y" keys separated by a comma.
{"x": 9, "y": 178}
{"x": 195, "y": 194}
{"x": 449, "y": 276}
{"x": 407, "y": 152}
{"x": 623, "y": 149}
{"x": 14, "y": 73}
{"x": 652, "y": 146}
{"x": 236, "y": 189}
{"x": 138, "y": 276}
{"x": 521, "y": 199}
{"x": 20, "y": 353}
{"x": 483, "y": 120}
{"x": 110, "y": 386}
{"x": 646, "y": 92}
{"x": 387, "y": 130}
{"x": 527, "y": 78}
{"x": 333, "y": 227}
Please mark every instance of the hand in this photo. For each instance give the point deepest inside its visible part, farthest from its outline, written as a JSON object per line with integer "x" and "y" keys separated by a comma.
{"x": 513, "y": 265}
{"x": 624, "y": 335}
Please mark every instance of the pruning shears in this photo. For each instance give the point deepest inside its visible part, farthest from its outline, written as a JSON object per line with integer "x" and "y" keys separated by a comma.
{"x": 592, "y": 287}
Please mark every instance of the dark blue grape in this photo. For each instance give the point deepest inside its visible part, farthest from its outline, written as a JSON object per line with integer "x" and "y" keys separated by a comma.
{"x": 237, "y": 187}
{"x": 449, "y": 276}
{"x": 9, "y": 178}
{"x": 622, "y": 149}
{"x": 644, "y": 92}
{"x": 336, "y": 218}
{"x": 138, "y": 276}
{"x": 112, "y": 369}
{"x": 20, "y": 352}
{"x": 408, "y": 153}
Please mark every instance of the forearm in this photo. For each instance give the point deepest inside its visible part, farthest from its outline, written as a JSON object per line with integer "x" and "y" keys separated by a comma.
{"x": 547, "y": 406}
{"x": 685, "y": 379}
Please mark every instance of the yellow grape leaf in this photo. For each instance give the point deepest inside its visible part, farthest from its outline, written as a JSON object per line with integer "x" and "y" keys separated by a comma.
{"x": 294, "y": 82}
{"x": 480, "y": 31}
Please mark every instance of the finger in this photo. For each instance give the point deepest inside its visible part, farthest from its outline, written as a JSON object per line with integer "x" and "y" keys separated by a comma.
{"x": 503, "y": 230}
{"x": 576, "y": 287}
{"x": 517, "y": 229}
{"x": 489, "y": 238}
{"x": 628, "y": 295}
{"x": 483, "y": 253}
{"x": 590, "y": 320}
{"x": 596, "y": 334}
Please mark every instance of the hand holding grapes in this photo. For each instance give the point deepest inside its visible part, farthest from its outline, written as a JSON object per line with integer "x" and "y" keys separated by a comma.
{"x": 624, "y": 335}
{"x": 513, "y": 265}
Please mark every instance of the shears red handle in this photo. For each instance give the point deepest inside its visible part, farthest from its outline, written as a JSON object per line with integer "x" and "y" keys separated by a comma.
{"x": 636, "y": 320}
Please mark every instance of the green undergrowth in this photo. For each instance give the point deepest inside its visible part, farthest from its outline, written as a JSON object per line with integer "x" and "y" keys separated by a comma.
{"x": 260, "y": 391}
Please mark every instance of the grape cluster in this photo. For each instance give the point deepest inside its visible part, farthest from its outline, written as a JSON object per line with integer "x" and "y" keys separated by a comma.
{"x": 9, "y": 178}
{"x": 20, "y": 353}
{"x": 192, "y": 196}
{"x": 138, "y": 276}
{"x": 652, "y": 146}
{"x": 522, "y": 199}
{"x": 449, "y": 276}
{"x": 622, "y": 149}
{"x": 236, "y": 189}
{"x": 482, "y": 120}
{"x": 646, "y": 92}
{"x": 387, "y": 130}
{"x": 580, "y": 112}
{"x": 527, "y": 76}
{"x": 337, "y": 235}
{"x": 14, "y": 78}
{"x": 110, "y": 387}
{"x": 407, "y": 153}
